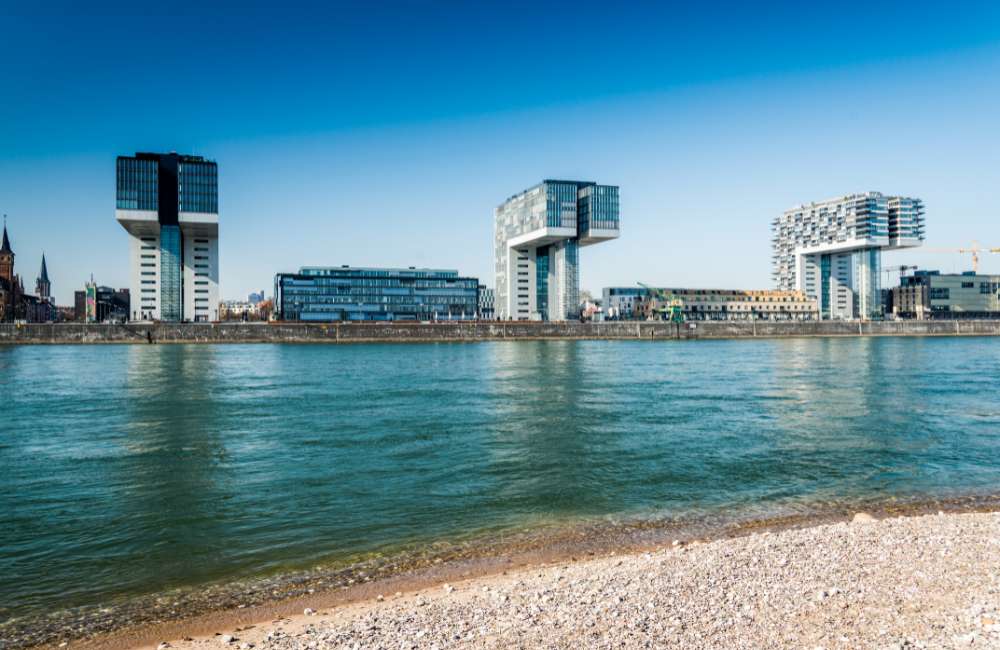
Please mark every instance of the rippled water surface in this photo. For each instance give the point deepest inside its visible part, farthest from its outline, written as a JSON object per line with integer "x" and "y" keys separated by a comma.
{"x": 128, "y": 470}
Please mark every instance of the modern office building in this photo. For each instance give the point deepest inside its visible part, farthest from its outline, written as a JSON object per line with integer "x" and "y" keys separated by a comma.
{"x": 537, "y": 238}
{"x": 487, "y": 303}
{"x": 637, "y": 303}
{"x": 345, "y": 293}
{"x": 169, "y": 204}
{"x": 933, "y": 295}
{"x": 832, "y": 250}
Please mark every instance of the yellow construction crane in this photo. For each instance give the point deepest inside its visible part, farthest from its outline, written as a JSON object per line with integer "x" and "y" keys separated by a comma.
{"x": 975, "y": 249}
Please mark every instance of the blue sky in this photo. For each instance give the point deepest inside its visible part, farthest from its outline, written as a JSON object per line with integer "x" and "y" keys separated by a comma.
{"x": 384, "y": 133}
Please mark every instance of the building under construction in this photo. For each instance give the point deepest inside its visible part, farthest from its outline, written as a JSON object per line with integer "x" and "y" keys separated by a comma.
{"x": 932, "y": 295}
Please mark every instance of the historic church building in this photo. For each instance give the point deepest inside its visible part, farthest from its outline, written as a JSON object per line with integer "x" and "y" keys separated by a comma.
{"x": 15, "y": 304}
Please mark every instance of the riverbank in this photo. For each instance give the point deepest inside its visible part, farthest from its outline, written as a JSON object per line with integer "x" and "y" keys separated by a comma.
{"x": 923, "y": 581}
{"x": 144, "y": 333}
{"x": 793, "y": 582}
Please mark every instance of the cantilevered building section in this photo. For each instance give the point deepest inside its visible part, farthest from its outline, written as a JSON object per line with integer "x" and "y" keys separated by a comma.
{"x": 537, "y": 238}
{"x": 169, "y": 204}
{"x": 832, "y": 250}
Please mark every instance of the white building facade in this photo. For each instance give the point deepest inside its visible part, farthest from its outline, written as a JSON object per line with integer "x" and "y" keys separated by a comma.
{"x": 832, "y": 250}
{"x": 168, "y": 204}
{"x": 537, "y": 238}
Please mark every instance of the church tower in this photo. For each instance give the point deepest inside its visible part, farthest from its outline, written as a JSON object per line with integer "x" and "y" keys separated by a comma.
{"x": 6, "y": 259}
{"x": 42, "y": 286}
{"x": 8, "y": 284}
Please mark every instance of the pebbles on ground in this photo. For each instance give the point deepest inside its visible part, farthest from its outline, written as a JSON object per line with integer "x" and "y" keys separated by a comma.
{"x": 917, "y": 582}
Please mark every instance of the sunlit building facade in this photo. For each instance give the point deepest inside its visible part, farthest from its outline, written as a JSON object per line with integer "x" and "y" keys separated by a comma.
{"x": 934, "y": 295}
{"x": 537, "y": 239}
{"x": 640, "y": 303}
{"x": 169, "y": 204}
{"x": 832, "y": 250}
{"x": 345, "y": 293}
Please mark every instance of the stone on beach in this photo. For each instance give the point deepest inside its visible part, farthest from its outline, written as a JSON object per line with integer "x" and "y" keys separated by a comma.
{"x": 758, "y": 591}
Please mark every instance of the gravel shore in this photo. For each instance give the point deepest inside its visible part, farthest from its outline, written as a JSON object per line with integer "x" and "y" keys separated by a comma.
{"x": 910, "y": 582}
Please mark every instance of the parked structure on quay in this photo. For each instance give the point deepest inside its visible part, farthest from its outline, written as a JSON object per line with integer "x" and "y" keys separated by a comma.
{"x": 628, "y": 303}
{"x": 933, "y": 295}
{"x": 169, "y": 204}
{"x": 832, "y": 250}
{"x": 345, "y": 293}
{"x": 537, "y": 237}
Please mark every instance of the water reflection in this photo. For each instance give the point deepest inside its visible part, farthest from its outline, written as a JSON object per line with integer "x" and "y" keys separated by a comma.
{"x": 128, "y": 469}
{"x": 176, "y": 475}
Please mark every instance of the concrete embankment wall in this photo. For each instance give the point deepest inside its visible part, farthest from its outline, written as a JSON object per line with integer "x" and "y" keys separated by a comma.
{"x": 369, "y": 332}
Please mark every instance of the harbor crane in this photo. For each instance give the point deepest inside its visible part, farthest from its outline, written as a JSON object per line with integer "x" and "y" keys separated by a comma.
{"x": 975, "y": 249}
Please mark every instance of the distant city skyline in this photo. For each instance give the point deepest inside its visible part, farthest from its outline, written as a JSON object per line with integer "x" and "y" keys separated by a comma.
{"x": 385, "y": 135}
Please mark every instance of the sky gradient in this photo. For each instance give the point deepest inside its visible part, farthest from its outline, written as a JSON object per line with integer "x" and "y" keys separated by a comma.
{"x": 384, "y": 134}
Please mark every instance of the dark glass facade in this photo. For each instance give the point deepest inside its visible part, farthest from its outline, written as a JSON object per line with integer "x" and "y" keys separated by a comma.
{"x": 598, "y": 208}
{"x": 542, "y": 281}
{"x": 171, "y": 282}
{"x": 168, "y": 183}
{"x": 137, "y": 184}
{"x": 326, "y": 294}
{"x": 197, "y": 187}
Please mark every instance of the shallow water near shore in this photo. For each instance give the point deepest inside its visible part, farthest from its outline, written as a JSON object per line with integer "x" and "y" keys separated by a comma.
{"x": 223, "y": 475}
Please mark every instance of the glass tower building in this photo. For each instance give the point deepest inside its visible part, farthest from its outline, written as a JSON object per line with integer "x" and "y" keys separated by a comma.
{"x": 169, "y": 204}
{"x": 832, "y": 250}
{"x": 345, "y": 293}
{"x": 537, "y": 238}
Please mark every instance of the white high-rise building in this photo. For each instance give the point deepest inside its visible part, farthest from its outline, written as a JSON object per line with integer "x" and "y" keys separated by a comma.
{"x": 169, "y": 204}
{"x": 832, "y": 250}
{"x": 537, "y": 238}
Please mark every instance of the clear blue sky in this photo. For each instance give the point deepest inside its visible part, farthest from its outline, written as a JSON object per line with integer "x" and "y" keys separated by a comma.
{"x": 375, "y": 133}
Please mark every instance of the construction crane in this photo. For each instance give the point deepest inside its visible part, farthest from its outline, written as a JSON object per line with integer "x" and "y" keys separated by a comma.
{"x": 673, "y": 310}
{"x": 975, "y": 249}
{"x": 899, "y": 269}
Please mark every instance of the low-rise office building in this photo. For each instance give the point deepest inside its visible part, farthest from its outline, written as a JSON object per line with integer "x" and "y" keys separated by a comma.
{"x": 626, "y": 303}
{"x": 931, "y": 294}
{"x": 345, "y": 293}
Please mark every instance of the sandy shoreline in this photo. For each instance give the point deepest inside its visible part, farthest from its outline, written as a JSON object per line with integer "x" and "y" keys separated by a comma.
{"x": 930, "y": 579}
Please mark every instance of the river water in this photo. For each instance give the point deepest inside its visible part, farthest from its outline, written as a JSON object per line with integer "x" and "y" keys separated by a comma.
{"x": 130, "y": 470}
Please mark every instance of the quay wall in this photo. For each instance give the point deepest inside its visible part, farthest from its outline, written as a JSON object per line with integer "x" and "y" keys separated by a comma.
{"x": 56, "y": 333}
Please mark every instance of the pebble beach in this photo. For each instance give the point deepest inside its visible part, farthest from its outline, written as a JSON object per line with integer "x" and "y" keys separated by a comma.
{"x": 930, "y": 581}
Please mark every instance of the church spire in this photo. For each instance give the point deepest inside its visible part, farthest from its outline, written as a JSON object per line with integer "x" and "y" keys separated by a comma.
{"x": 43, "y": 276}
{"x": 6, "y": 242}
